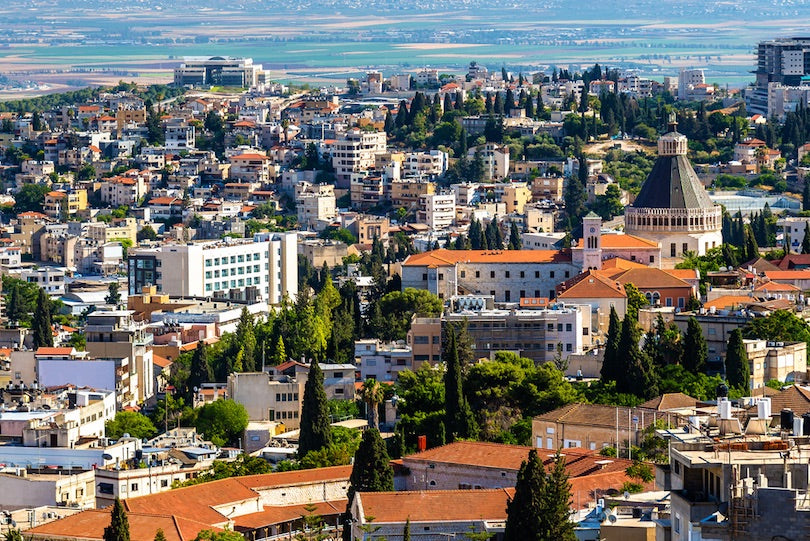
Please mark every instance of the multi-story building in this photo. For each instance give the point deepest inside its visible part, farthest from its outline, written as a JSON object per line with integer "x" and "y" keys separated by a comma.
{"x": 51, "y": 279}
{"x": 250, "y": 167}
{"x": 264, "y": 268}
{"x": 180, "y": 135}
{"x": 495, "y": 330}
{"x": 495, "y": 158}
{"x": 316, "y": 206}
{"x": 380, "y": 361}
{"x": 688, "y": 80}
{"x": 407, "y": 192}
{"x": 506, "y": 275}
{"x": 123, "y": 190}
{"x": 440, "y": 210}
{"x": 218, "y": 71}
{"x": 425, "y": 340}
{"x": 429, "y": 164}
{"x": 782, "y": 61}
{"x": 115, "y": 334}
{"x": 60, "y": 204}
{"x": 355, "y": 152}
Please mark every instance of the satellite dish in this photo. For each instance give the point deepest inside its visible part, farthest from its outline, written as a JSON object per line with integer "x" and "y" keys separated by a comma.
{"x": 107, "y": 456}
{"x": 612, "y": 518}
{"x": 626, "y": 495}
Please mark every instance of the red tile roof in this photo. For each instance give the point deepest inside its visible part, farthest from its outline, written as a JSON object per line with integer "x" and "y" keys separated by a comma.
{"x": 443, "y": 257}
{"x": 435, "y": 505}
{"x": 253, "y": 156}
{"x": 54, "y": 351}
{"x": 258, "y": 482}
{"x": 280, "y": 514}
{"x": 593, "y": 286}
{"x": 90, "y": 524}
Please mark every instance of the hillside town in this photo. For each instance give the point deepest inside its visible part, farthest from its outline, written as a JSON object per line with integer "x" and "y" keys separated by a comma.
{"x": 420, "y": 305}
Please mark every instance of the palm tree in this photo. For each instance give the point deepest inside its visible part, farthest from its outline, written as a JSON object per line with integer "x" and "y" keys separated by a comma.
{"x": 372, "y": 394}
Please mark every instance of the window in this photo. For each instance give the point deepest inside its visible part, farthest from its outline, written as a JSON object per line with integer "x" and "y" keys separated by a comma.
{"x": 672, "y": 250}
{"x": 463, "y": 274}
{"x": 424, "y": 276}
{"x": 522, "y": 274}
{"x": 506, "y": 274}
{"x": 551, "y": 327}
{"x": 492, "y": 274}
{"x": 478, "y": 274}
{"x": 522, "y": 293}
{"x": 133, "y": 487}
{"x": 550, "y": 275}
{"x": 441, "y": 276}
{"x": 549, "y": 347}
{"x": 508, "y": 295}
{"x": 164, "y": 483}
{"x": 652, "y": 259}
{"x": 559, "y": 327}
{"x": 537, "y": 274}
{"x": 568, "y": 327}
{"x": 105, "y": 488}
{"x": 569, "y": 347}
{"x": 420, "y": 340}
{"x": 685, "y": 248}
{"x": 567, "y": 274}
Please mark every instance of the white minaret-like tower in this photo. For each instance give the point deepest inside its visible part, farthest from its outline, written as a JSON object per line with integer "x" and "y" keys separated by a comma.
{"x": 591, "y": 242}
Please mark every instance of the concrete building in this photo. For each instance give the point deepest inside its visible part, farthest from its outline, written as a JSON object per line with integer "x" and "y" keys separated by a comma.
{"x": 780, "y": 61}
{"x": 355, "y": 152}
{"x": 264, "y": 268}
{"x": 440, "y": 210}
{"x": 425, "y": 340}
{"x": 381, "y": 361}
{"x": 268, "y": 400}
{"x": 673, "y": 208}
{"x": 493, "y": 330}
{"x": 688, "y": 80}
{"x": 51, "y": 279}
{"x": 217, "y": 71}
{"x": 506, "y": 275}
{"x": 316, "y": 207}
{"x": 180, "y": 135}
{"x": 495, "y": 158}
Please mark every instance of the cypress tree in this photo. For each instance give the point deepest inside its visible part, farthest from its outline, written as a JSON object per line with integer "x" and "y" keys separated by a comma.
{"x": 390, "y": 124}
{"x": 43, "y": 332}
{"x": 200, "y": 371}
{"x": 371, "y": 472}
{"x": 695, "y": 351}
{"x": 406, "y": 533}
{"x": 529, "y": 106}
{"x": 524, "y": 519}
{"x": 515, "y": 242}
{"x": 118, "y": 530}
{"x": 459, "y": 418}
{"x": 751, "y": 248}
{"x": 315, "y": 432}
{"x": 448, "y": 103}
{"x": 556, "y": 503}
{"x": 738, "y": 370}
{"x": 246, "y": 340}
{"x": 476, "y": 234}
{"x": 636, "y": 374}
{"x": 610, "y": 362}
{"x": 279, "y": 353}
{"x": 806, "y": 241}
{"x": 14, "y": 307}
{"x": 159, "y": 535}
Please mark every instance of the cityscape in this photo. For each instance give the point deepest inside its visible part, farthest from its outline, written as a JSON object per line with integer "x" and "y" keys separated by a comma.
{"x": 394, "y": 272}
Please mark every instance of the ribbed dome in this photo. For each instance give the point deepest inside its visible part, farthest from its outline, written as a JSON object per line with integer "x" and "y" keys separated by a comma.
{"x": 673, "y": 184}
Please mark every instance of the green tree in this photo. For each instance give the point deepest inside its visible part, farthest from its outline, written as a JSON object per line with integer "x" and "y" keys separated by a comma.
{"x": 224, "y": 535}
{"x": 43, "y": 331}
{"x": 222, "y": 421}
{"x": 806, "y": 195}
{"x": 30, "y": 198}
{"x": 132, "y": 423}
{"x": 159, "y": 535}
{"x": 738, "y": 370}
{"x": 515, "y": 242}
{"x": 556, "y": 502}
{"x": 524, "y": 520}
{"x": 372, "y": 394}
{"x": 246, "y": 339}
{"x": 146, "y": 233}
{"x": 314, "y": 434}
{"x": 635, "y": 300}
{"x": 779, "y": 326}
{"x": 637, "y": 375}
{"x": 406, "y": 532}
{"x": 459, "y": 419}
{"x": 695, "y": 351}
{"x": 200, "y": 367}
{"x": 279, "y": 354}
{"x": 751, "y": 248}
{"x": 118, "y": 530}
{"x": 14, "y": 305}
{"x": 610, "y": 362}
{"x": 806, "y": 241}
{"x": 113, "y": 295}
{"x": 371, "y": 471}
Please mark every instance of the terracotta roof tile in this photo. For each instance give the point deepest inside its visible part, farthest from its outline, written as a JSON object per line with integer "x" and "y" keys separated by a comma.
{"x": 727, "y": 302}
{"x": 435, "y": 505}
{"x": 90, "y": 524}
{"x": 54, "y": 351}
{"x": 280, "y": 514}
{"x": 669, "y": 401}
{"x": 593, "y": 286}
{"x": 645, "y": 278}
{"x": 445, "y": 257}
{"x": 257, "y": 482}
{"x": 598, "y": 415}
{"x": 788, "y": 275}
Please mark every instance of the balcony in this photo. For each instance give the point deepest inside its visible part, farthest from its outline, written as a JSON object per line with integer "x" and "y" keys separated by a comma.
{"x": 699, "y": 504}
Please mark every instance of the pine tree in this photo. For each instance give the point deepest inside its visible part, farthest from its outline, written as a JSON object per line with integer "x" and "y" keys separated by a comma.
{"x": 695, "y": 351}
{"x": 159, "y": 535}
{"x": 610, "y": 362}
{"x": 118, "y": 530}
{"x": 738, "y": 369}
{"x": 524, "y": 520}
{"x": 458, "y": 416}
{"x": 515, "y": 242}
{"x": 556, "y": 503}
{"x": 315, "y": 433}
{"x": 200, "y": 371}
{"x": 43, "y": 331}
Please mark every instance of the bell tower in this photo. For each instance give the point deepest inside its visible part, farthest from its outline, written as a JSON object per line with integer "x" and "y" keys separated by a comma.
{"x": 591, "y": 242}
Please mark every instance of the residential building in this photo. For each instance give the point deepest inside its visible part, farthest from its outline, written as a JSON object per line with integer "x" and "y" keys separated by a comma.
{"x": 595, "y": 426}
{"x": 61, "y": 204}
{"x": 381, "y": 361}
{"x": 780, "y": 61}
{"x": 51, "y": 279}
{"x": 495, "y": 158}
{"x": 440, "y": 210}
{"x": 425, "y": 340}
{"x": 316, "y": 206}
{"x": 180, "y": 135}
{"x": 492, "y": 330}
{"x": 264, "y": 268}
{"x": 250, "y": 167}
{"x": 266, "y": 399}
{"x": 355, "y": 152}
{"x": 688, "y": 81}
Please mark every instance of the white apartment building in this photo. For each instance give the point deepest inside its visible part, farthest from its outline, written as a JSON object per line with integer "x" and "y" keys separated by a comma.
{"x": 496, "y": 160}
{"x": 118, "y": 191}
{"x": 316, "y": 206}
{"x": 432, "y": 163}
{"x": 262, "y": 269}
{"x": 793, "y": 232}
{"x": 180, "y": 135}
{"x": 355, "y": 152}
{"x": 51, "y": 279}
{"x": 440, "y": 210}
{"x": 688, "y": 79}
{"x": 381, "y": 361}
